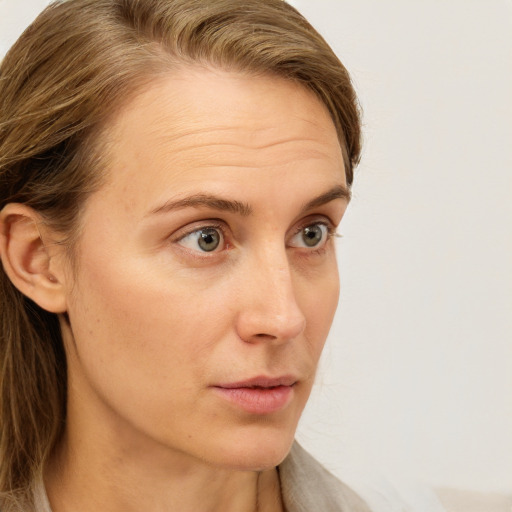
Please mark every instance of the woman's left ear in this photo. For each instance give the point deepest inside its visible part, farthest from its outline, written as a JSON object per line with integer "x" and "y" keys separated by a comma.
{"x": 33, "y": 266}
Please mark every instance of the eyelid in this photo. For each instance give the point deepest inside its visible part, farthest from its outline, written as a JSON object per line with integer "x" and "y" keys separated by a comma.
{"x": 190, "y": 229}
{"x": 220, "y": 225}
{"x": 316, "y": 219}
{"x": 312, "y": 221}
{"x": 197, "y": 226}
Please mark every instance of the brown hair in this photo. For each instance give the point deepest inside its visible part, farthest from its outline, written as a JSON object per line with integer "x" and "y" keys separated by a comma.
{"x": 60, "y": 82}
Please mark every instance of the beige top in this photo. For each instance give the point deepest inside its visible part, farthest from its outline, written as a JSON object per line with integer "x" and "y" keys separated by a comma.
{"x": 306, "y": 487}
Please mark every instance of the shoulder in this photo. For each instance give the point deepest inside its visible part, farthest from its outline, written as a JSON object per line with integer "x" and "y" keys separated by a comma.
{"x": 306, "y": 485}
{"x": 469, "y": 501}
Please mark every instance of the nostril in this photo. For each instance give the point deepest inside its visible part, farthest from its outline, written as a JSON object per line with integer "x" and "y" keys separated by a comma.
{"x": 274, "y": 317}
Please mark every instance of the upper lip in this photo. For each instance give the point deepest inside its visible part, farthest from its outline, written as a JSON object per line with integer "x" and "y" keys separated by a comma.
{"x": 260, "y": 382}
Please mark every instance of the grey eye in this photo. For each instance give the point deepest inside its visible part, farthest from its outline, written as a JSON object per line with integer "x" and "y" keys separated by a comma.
{"x": 313, "y": 235}
{"x": 204, "y": 239}
{"x": 310, "y": 236}
{"x": 209, "y": 239}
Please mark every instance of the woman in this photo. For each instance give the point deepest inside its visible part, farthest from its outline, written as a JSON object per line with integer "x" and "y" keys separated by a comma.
{"x": 172, "y": 175}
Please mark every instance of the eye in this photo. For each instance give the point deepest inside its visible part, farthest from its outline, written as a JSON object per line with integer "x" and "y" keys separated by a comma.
{"x": 314, "y": 235}
{"x": 206, "y": 239}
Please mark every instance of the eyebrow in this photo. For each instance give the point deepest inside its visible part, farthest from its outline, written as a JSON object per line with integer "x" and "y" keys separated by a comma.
{"x": 337, "y": 192}
{"x": 217, "y": 203}
{"x": 206, "y": 201}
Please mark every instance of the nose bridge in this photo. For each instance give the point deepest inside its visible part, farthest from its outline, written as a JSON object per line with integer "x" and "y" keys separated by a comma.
{"x": 270, "y": 307}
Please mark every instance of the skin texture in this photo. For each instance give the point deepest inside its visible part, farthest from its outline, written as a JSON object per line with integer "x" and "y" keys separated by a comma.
{"x": 156, "y": 325}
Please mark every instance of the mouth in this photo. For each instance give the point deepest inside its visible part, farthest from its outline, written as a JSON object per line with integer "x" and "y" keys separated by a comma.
{"x": 261, "y": 382}
{"x": 260, "y": 395}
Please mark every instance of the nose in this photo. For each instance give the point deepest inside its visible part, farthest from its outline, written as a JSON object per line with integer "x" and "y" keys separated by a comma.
{"x": 269, "y": 310}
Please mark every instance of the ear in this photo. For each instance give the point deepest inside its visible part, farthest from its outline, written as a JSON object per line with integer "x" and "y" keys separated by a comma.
{"x": 26, "y": 259}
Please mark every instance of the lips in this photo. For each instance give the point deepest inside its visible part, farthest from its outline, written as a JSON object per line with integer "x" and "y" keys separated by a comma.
{"x": 261, "y": 382}
{"x": 259, "y": 395}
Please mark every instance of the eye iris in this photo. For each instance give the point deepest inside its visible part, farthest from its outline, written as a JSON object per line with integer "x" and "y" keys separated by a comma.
{"x": 209, "y": 239}
{"x": 312, "y": 235}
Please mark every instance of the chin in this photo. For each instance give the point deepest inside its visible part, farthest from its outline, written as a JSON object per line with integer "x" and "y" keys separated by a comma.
{"x": 255, "y": 451}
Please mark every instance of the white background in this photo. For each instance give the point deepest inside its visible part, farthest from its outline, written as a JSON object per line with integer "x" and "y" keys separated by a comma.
{"x": 417, "y": 375}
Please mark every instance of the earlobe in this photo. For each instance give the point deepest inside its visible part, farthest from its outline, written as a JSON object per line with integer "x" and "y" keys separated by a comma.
{"x": 27, "y": 260}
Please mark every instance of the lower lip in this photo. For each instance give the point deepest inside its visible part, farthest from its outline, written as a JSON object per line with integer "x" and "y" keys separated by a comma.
{"x": 258, "y": 400}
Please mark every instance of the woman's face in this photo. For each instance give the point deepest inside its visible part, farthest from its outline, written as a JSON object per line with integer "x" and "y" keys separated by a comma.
{"x": 206, "y": 278}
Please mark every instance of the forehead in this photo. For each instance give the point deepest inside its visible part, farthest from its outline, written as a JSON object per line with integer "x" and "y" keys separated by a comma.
{"x": 205, "y": 127}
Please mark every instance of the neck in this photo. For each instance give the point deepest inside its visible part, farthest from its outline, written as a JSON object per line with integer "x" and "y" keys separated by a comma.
{"x": 92, "y": 471}
{"x": 103, "y": 462}
{"x": 134, "y": 486}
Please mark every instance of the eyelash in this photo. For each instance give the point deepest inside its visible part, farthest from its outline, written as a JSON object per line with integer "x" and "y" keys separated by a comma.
{"x": 203, "y": 227}
{"x": 221, "y": 227}
{"x": 330, "y": 233}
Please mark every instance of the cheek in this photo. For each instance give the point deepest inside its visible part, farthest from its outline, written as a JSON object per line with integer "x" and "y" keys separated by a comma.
{"x": 140, "y": 345}
{"x": 319, "y": 302}
{"x": 112, "y": 323}
{"x": 138, "y": 320}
